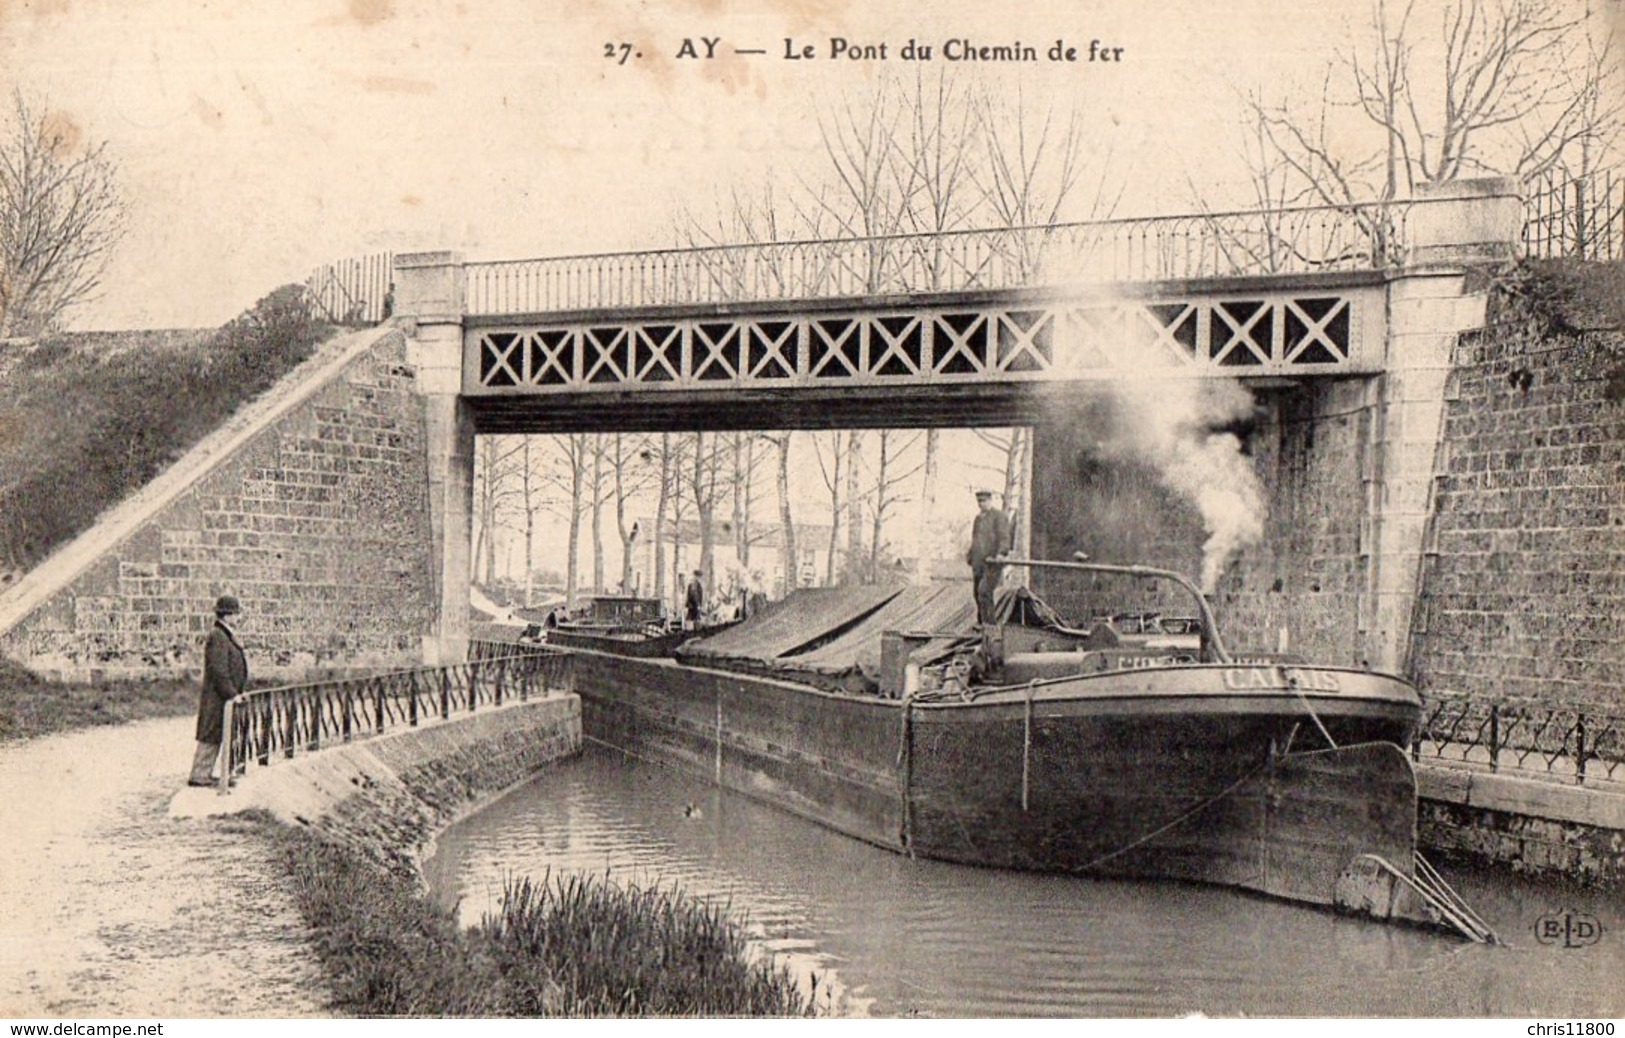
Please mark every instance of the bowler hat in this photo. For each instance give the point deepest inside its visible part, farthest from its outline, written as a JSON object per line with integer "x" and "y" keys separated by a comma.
{"x": 225, "y": 605}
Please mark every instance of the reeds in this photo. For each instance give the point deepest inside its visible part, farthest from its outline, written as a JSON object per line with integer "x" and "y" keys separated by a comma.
{"x": 579, "y": 945}
{"x": 567, "y": 945}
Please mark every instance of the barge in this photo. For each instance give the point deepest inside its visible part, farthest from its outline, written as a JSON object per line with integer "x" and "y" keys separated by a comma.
{"x": 888, "y": 715}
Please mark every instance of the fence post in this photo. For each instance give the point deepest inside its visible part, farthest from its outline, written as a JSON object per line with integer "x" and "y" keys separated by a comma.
{"x": 349, "y": 710}
{"x": 412, "y": 703}
{"x": 266, "y": 719}
{"x": 228, "y": 729}
{"x": 445, "y": 694}
{"x": 1580, "y": 243}
{"x": 1495, "y": 734}
{"x": 1580, "y": 747}
{"x": 378, "y": 705}
{"x": 290, "y": 724}
{"x": 502, "y": 677}
{"x": 314, "y": 743}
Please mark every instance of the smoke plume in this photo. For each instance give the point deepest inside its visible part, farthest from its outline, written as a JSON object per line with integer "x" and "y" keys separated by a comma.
{"x": 1171, "y": 425}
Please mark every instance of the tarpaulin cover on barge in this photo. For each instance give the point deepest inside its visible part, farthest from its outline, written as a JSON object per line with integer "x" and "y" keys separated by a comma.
{"x": 831, "y": 637}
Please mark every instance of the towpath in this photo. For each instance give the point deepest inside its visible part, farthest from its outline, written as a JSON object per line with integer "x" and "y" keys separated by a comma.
{"x": 111, "y": 907}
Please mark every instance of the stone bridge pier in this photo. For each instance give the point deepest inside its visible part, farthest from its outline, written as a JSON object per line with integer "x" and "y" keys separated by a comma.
{"x": 1347, "y": 464}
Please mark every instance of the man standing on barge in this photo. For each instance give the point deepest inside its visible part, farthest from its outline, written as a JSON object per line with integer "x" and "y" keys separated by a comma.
{"x": 989, "y": 541}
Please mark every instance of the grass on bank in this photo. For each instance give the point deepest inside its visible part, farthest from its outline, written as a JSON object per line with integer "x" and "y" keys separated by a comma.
{"x": 80, "y": 429}
{"x": 30, "y": 705}
{"x": 572, "y": 947}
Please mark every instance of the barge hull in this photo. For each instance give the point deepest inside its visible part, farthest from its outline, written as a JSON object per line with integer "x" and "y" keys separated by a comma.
{"x": 1203, "y": 789}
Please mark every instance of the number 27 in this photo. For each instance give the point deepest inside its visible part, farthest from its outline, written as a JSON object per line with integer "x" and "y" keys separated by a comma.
{"x": 618, "y": 52}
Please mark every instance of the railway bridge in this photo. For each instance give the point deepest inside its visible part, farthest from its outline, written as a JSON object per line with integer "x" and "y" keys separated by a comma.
{"x": 1341, "y": 318}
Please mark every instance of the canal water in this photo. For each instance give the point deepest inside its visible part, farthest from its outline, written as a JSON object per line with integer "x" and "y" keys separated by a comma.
{"x": 887, "y": 936}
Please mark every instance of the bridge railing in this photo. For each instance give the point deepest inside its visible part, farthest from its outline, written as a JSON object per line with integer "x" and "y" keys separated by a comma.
{"x": 265, "y": 725}
{"x": 1201, "y": 245}
{"x": 1579, "y": 217}
{"x": 1571, "y": 744}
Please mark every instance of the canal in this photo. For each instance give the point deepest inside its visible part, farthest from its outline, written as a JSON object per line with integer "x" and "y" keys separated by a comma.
{"x": 887, "y": 936}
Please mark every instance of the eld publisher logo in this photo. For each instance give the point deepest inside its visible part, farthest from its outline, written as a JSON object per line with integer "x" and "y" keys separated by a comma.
{"x": 1568, "y": 929}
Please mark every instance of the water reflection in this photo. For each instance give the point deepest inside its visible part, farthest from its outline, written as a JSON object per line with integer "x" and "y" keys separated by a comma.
{"x": 894, "y": 937}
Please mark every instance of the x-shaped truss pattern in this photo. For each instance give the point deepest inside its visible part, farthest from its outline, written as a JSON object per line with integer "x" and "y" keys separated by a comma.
{"x": 1265, "y": 334}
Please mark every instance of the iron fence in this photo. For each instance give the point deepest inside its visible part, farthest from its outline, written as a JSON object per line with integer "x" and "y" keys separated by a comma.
{"x": 1575, "y": 217}
{"x": 1202, "y": 245}
{"x": 1569, "y": 743}
{"x": 267, "y": 724}
{"x": 356, "y": 291}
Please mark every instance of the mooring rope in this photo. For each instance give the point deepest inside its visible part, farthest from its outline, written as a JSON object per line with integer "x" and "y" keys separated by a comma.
{"x": 1297, "y": 690}
{"x": 1204, "y": 805}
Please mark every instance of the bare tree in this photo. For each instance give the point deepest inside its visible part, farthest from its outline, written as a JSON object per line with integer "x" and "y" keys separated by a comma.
{"x": 831, "y": 464}
{"x": 632, "y": 478}
{"x": 670, "y": 465}
{"x": 1512, "y": 87}
{"x": 61, "y": 217}
{"x": 498, "y": 493}
{"x": 567, "y": 472}
{"x": 532, "y": 501}
{"x": 596, "y": 497}
{"x": 890, "y": 475}
{"x": 703, "y": 484}
{"x": 788, "y": 559}
{"x": 853, "y": 571}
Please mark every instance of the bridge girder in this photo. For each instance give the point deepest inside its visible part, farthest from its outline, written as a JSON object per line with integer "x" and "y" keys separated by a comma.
{"x": 990, "y": 358}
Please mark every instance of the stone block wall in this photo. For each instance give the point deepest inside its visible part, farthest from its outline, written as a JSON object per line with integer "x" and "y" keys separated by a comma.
{"x": 1307, "y": 575}
{"x": 317, "y": 519}
{"x": 1523, "y": 592}
{"x": 1530, "y": 824}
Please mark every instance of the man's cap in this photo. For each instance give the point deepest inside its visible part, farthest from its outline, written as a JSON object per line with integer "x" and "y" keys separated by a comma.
{"x": 699, "y": 573}
{"x": 984, "y": 492}
{"x": 227, "y": 604}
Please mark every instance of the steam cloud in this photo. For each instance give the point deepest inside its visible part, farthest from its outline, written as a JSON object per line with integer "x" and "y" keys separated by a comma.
{"x": 1169, "y": 425}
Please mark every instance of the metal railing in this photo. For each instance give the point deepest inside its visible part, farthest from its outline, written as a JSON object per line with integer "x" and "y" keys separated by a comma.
{"x": 1575, "y": 217}
{"x": 1568, "y": 743}
{"x": 267, "y": 724}
{"x": 357, "y": 291}
{"x": 1200, "y": 245}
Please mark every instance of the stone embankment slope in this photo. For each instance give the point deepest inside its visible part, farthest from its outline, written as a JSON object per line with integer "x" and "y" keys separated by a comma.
{"x": 109, "y": 907}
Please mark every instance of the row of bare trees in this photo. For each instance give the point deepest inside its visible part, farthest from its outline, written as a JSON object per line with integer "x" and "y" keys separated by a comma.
{"x": 662, "y": 495}
{"x": 1430, "y": 91}
{"x": 904, "y": 156}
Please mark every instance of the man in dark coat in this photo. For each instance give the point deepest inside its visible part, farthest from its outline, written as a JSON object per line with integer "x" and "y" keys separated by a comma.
{"x": 693, "y": 602}
{"x": 989, "y": 541}
{"x": 225, "y": 674}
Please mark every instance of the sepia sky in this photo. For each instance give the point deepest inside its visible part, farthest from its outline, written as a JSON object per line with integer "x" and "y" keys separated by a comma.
{"x": 257, "y": 140}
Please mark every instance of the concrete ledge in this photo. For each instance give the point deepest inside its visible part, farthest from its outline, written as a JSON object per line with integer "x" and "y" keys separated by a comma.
{"x": 1528, "y": 825}
{"x": 390, "y": 796}
{"x": 1498, "y": 791}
